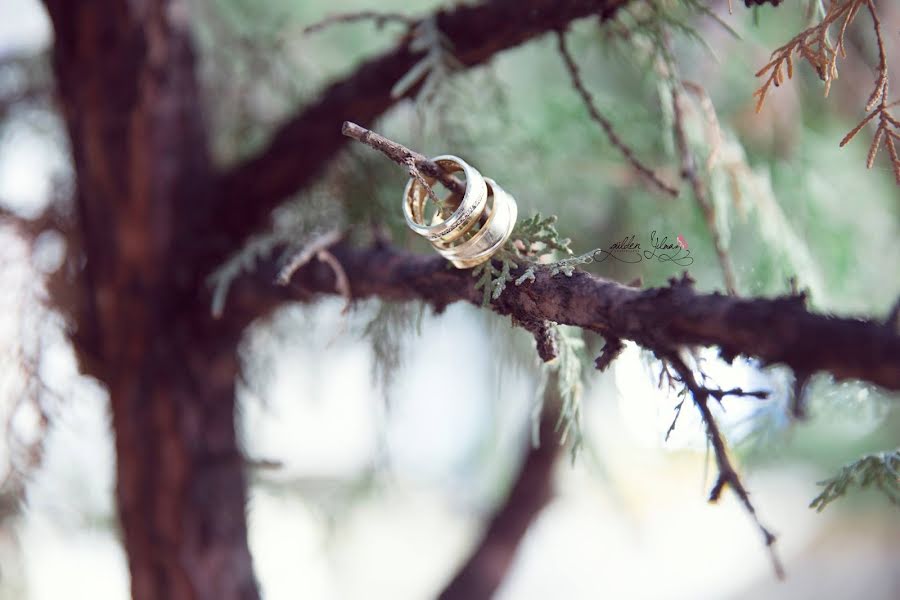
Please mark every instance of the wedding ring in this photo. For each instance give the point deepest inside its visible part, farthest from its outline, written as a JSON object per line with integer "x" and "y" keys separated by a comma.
{"x": 494, "y": 232}
{"x": 463, "y": 217}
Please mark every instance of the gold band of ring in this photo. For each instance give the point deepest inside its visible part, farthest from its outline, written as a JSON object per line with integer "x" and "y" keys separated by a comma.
{"x": 490, "y": 238}
{"x": 465, "y": 215}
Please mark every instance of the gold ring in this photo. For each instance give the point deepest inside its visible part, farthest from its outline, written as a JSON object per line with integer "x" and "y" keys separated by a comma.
{"x": 494, "y": 232}
{"x": 465, "y": 215}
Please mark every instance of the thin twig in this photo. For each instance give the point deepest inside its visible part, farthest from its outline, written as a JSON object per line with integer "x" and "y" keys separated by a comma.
{"x": 604, "y": 123}
{"x": 310, "y": 250}
{"x": 814, "y": 46}
{"x": 417, "y": 164}
{"x": 727, "y": 474}
{"x": 689, "y": 173}
{"x": 342, "y": 283}
{"x": 379, "y": 18}
{"x": 888, "y": 126}
{"x": 713, "y": 129}
{"x": 719, "y": 394}
{"x": 417, "y": 175}
{"x": 678, "y": 408}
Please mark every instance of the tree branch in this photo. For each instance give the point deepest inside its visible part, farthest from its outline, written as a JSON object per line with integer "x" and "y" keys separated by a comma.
{"x": 774, "y": 330}
{"x": 727, "y": 474}
{"x": 416, "y": 163}
{"x": 488, "y": 565}
{"x": 303, "y": 145}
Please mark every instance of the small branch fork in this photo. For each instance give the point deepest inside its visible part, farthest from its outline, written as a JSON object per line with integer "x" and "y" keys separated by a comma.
{"x": 728, "y": 476}
{"x": 318, "y": 248}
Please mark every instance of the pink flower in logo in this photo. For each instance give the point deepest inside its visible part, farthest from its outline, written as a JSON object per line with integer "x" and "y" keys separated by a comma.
{"x": 682, "y": 242}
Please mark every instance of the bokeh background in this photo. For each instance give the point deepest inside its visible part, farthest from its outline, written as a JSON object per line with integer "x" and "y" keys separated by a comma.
{"x": 369, "y": 486}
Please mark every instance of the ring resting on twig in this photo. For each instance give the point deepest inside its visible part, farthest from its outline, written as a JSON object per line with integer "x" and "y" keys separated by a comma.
{"x": 476, "y": 229}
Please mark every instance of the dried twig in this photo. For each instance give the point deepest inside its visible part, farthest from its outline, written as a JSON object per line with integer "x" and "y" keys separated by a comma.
{"x": 727, "y": 474}
{"x": 316, "y": 245}
{"x": 417, "y": 164}
{"x": 888, "y": 130}
{"x": 719, "y": 394}
{"x": 689, "y": 172}
{"x": 379, "y": 18}
{"x": 814, "y": 45}
{"x": 604, "y": 123}
{"x": 342, "y": 283}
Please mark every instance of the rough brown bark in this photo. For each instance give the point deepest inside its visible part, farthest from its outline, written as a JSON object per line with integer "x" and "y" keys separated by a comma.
{"x": 776, "y": 330}
{"x": 127, "y": 90}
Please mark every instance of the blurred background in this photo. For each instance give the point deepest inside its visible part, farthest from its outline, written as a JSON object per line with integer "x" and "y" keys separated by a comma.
{"x": 365, "y": 486}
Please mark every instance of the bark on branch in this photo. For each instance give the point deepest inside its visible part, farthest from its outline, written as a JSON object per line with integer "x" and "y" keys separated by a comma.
{"x": 416, "y": 163}
{"x": 303, "y": 145}
{"x": 774, "y": 330}
{"x": 127, "y": 89}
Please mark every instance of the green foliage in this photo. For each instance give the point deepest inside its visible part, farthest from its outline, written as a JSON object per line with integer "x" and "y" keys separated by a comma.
{"x": 567, "y": 266}
{"x": 538, "y": 237}
{"x": 296, "y": 225}
{"x": 220, "y": 280}
{"x": 491, "y": 280}
{"x": 385, "y": 335}
{"x": 532, "y": 240}
{"x": 434, "y": 69}
{"x": 882, "y": 470}
{"x": 527, "y": 275}
{"x": 569, "y": 367}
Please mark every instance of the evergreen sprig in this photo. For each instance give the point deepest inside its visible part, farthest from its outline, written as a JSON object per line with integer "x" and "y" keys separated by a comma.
{"x": 491, "y": 280}
{"x": 538, "y": 236}
{"x": 533, "y": 239}
{"x": 565, "y": 374}
{"x": 570, "y": 367}
{"x": 881, "y": 469}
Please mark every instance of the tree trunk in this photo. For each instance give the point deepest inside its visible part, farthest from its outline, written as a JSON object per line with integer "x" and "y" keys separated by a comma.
{"x": 129, "y": 96}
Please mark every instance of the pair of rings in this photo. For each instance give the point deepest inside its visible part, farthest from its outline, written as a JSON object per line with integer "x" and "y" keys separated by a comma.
{"x": 479, "y": 224}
